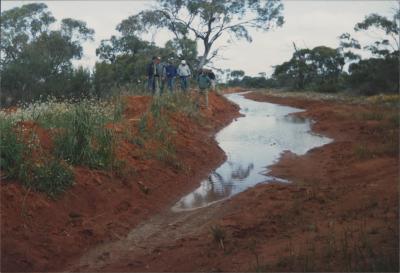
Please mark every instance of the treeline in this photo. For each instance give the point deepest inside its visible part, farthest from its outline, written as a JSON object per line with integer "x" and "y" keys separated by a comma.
{"x": 37, "y": 59}
{"x": 326, "y": 69}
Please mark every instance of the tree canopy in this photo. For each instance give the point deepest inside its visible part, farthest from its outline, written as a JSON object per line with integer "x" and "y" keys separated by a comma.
{"x": 206, "y": 20}
{"x": 36, "y": 60}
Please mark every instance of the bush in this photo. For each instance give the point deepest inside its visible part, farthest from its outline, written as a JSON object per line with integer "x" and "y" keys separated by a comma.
{"x": 84, "y": 140}
{"x": 41, "y": 172}
{"x": 80, "y": 138}
{"x": 12, "y": 148}
{"x": 52, "y": 177}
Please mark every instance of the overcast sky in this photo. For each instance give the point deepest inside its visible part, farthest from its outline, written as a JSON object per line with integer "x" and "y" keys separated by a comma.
{"x": 307, "y": 23}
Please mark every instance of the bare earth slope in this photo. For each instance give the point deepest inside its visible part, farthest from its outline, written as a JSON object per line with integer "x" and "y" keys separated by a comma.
{"x": 340, "y": 213}
{"x": 41, "y": 234}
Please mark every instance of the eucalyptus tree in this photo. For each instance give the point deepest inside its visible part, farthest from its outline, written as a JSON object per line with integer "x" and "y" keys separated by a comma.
{"x": 384, "y": 30}
{"x": 36, "y": 58}
{"x": 20, "y": 26}
{"x": 389, "y": 29}
{"x": 206, "y": 20}
{"x": 319, "y": 69}
{"x": 380, "y": 73}
{"x": 237, "y": 74}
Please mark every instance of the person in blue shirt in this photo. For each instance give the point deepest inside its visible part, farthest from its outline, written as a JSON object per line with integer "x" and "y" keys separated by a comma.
{"x": 171, "y": 73}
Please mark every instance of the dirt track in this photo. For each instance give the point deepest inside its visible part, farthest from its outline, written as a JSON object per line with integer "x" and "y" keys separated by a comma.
{"x": 339, "y": 214}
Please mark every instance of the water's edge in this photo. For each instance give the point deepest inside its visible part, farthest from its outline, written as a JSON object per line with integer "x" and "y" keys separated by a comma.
{"x": 251, "y": 143}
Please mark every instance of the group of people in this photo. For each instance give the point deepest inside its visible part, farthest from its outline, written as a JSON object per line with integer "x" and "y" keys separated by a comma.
{"x": 162, "y": 75}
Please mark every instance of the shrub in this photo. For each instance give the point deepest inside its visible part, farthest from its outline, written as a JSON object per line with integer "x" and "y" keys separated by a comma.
{"x": 51, "y": 176}
{"x": 84, "y": 140}
{"x": 23, "y": 159}
{"x": 12, "y": 148}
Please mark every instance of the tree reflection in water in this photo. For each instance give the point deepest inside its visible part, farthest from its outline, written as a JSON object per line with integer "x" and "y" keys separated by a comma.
{"x": 251, "y": 143}
{"x": 220, "y": 184}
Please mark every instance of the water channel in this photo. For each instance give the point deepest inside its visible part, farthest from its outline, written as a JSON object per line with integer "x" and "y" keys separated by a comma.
{"x": 251, "y": 143}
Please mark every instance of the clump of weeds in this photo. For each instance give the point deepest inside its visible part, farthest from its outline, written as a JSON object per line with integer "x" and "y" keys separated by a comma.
{"x": 218, "y": 235}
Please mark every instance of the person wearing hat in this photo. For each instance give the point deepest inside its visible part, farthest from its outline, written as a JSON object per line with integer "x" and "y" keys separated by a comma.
{"x": 184, "y": 74}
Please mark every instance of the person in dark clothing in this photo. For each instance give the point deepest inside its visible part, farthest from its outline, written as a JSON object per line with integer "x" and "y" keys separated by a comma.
{"x": 153, "y": 75}
{"x": 171, "y": 72}
{"x": 204, "y": 84}
{"x": 211, "y": 76}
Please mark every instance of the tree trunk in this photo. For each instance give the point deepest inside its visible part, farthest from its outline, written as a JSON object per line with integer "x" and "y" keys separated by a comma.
{"x": 203, "y": 59}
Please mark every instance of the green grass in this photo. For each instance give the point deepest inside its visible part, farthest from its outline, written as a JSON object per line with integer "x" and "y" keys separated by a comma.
{"x": 155, "y": 125}
{"x": 176, "y": 102}
{"x": 84, "y": 140}
{"x": 81, "y": 137}
{"x": 52, "y": 177}
{"x": 218, "y": 235}
{"x": 12, "y": 148}
{"x": 44, "y": 174}
{"x": 79, "y": 134}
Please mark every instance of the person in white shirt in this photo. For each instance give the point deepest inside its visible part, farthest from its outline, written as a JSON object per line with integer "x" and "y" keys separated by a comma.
{"x": 184, "y": 74}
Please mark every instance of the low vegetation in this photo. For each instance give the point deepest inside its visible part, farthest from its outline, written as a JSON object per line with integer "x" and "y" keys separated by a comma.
{"x": 42, "y": 141}
{"x": 23, "y": 159}
{"x": 155, "y": 126}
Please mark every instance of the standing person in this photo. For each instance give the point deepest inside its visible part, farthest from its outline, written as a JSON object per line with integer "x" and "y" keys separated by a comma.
{"x": 151, "y": 72}
{"x": 184, "y": 74}
{"x": 161, "y": 71}
{"x": 211, "y": 75}
{"x": 153, "y": 75}
{"x": 204, "y": 84}
{"x": 171, "y": 72}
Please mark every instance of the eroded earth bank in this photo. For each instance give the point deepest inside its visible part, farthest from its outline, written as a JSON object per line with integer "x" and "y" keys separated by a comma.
{"x": 338, "y": 213}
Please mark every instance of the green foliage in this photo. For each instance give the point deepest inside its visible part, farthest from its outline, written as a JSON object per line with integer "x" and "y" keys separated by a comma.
{"x": 21, "y": 25}
{"x": 319, "y": 67}
{"x": 155, "y": 125}
{"x": 80, "y": 137}
{"x": 237, "y": 74}
{"x": 375, "y": 75}
{"x": 253, "y": 82}
{"x": 84, "y": 140}
{"x": 124, "y": 63}
{"x": 218, "y": 235}
{"x": 183, "y": 49}
{"x": 12, "y": 148}
{"x": 41, "y": 173}
{"x": 176, "y": 102}
{"x": 35, "y": 60}
{"x": 52, "y": 177}
{"x": 214, "y": 19}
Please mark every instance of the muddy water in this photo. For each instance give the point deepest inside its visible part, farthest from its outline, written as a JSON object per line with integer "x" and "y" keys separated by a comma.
{"x": 252, "y": 142}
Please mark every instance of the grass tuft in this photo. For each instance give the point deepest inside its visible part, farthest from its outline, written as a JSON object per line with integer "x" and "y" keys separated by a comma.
{"x": 218, "y": 235}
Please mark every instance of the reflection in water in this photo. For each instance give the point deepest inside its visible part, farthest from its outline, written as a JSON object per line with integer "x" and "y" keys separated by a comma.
{"x": 219, "y": 185}
{"x": 295, "y": 119}
{"x": 251, "y": 143}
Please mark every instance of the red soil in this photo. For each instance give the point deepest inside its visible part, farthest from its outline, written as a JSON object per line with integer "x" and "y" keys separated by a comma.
{"x": 41, "y": 234}
{"x": 340, "y": 213}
